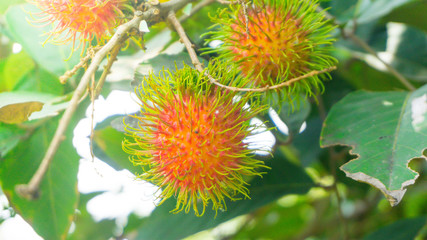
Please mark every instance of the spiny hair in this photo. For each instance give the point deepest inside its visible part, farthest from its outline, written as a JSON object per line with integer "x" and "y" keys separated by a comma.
{"x": 190, "y": 135}
{"x": 80, "y": 20}
{"x": 273, "y": 41}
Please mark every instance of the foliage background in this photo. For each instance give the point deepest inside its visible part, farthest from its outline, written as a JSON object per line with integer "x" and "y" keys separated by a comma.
{"x": 297, "y": 199}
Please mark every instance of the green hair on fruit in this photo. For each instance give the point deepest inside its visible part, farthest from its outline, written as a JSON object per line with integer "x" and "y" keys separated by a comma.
{"x": 189, "y": 138}
{"x": 274, "y": 41}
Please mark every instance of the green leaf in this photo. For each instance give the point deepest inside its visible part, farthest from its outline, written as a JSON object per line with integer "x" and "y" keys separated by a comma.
{"x": 16, "y": 66}
{"x": 307, "y": 143}
{"x": 342, "y": 10}
{"x": 198, "y": 23}
{"x": 360, "y": 75}
{"x": 5, "y": 4}
{"x": 405, "y": 48}
{"x": 294, "y": 113}
{"x": 386, "y": 130}
{"x": 7, "y": 98}
{"x": 164, "y": 61}
{"x": 400, "y": 230}
{"x": 40, "y": 80}
{"x": 412, "y": 14}
{"x": 10, "y": 136}
{"x": 370, "y": 10}
{"x": 109, "y": 148}
{"x": 51, "y": 214}
{"x": 49, "y": 56}
{"x": 86, "y": 228}
{"x": 283, "y": 178}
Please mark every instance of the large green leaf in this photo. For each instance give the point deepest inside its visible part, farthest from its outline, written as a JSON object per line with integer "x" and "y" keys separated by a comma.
{"x": 412, "y": 14}
{"x": 49, "y": 56}
{"x": 404, "y": 48}
{"x": 108, "y": 147}
{"x": 283, "y": 178}
{"x": 400, "y": 230}
{"x": 359, "y": 75}
{"x": 9, "y": 137}
{"x": 386, "y": 130}
{"x": 307, "y": 143}
{"x": 342, "y": 10}
{"x": 85, "y": 226}
{"x": 51, "y": 214}
{"x": 369, "y": 10}
{"x": 16, "y": 66}
{"x": 40, "y": 80}
{"x": 292, "y": 113}
{"x": 5, "y": 4}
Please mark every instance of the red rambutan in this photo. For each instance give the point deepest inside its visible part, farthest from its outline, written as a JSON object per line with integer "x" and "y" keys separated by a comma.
{"x": 190, "y": 136}
{"x": 82, "y": 20}
{"x": 273, "y": 41}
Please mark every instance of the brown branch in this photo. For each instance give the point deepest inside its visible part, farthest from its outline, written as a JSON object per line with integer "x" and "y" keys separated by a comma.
{"x": 96, "y": 91}
{"x": 199, "y": 66}
{"x": 225, "y": 2}
{"x": 90, "y": 53}
{"x": 353, "y": 37}
{"x": 107, "y": 68}
{"x": 153, "y": 14}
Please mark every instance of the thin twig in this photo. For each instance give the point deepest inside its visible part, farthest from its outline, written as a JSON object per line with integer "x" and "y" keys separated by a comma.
{"x": 90, "y": 53}
{"x": 225, "y": 2}
{"x": 199, "y": 66}
{"x": 320, "y": 223}
{"x": 352, "y": 36}
{"x": 245, "y": 13}
{"x": 96, "y": 90}
{"x": 92, "y": 117}
{"x": 371, "y": 51}
{"x": 107, "y": 68}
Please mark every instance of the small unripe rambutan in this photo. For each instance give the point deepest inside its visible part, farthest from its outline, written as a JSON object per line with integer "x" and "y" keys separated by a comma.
{"x": 81, "y": 20}
{"x": 273, "y": 41}
{"x": 189, "y": 139}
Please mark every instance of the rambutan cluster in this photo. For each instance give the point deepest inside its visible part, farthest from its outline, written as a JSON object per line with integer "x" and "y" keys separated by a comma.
{"x": 190, "y": 137}
{"x": 82, "y": 20}
{"x": 273, "y": 41}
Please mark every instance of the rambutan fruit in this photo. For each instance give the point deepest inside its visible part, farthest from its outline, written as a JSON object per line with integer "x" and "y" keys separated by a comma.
{"x": 273, "y": 41}
{"x": 82, "y": 20}
{"x": 189, "y": 138}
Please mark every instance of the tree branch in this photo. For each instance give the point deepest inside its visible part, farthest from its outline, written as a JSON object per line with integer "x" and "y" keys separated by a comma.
{"x": 199, "y": 66}
{"x": 90, "y": 54}
{"x": 153, "y": 14}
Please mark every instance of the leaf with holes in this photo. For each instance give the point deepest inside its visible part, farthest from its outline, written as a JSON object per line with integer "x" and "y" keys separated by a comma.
{"x": 20, "y": 106}
{"x": 386, "y": 130}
